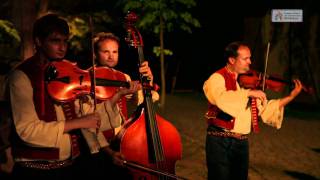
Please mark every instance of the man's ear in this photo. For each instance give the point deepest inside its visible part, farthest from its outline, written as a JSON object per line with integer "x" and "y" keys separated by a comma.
{"x": 231, "y": 60}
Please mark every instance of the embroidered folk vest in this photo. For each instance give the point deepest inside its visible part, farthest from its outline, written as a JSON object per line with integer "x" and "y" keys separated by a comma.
{"x": 44, "y": 106}
{"x": 216, "y": 116}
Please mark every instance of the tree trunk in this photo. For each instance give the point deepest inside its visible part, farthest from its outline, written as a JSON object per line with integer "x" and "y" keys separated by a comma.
{"x": 43, "y": 8}
{"x": 23, "y": 16}
{"x": 313, "y": 53}
{"x": 162, "y": 68}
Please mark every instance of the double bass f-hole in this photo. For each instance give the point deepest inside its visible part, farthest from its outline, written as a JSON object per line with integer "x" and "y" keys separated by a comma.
{"x": 150, "y": 144}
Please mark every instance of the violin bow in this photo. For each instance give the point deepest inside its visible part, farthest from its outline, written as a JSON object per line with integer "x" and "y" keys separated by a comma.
{"x": 265, "y": 68}
{"x": 144, "y": 168}
{"x": 93, "y": 79}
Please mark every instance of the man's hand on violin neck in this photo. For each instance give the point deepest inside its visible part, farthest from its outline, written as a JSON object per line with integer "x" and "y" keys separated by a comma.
{"x": 297, "y": 88}
{"x": 134, "y": 87}
{"x": 257, "y": 94}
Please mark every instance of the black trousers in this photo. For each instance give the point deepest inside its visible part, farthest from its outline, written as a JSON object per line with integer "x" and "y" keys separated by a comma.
{"x": 227, "y": 158}
{"x": 101, "y": 165}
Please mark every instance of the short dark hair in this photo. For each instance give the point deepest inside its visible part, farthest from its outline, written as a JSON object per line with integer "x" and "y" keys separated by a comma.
{"x": 232, "y": 49}
{"x": 101, "y": 36}
{"x": 48, "y": 24}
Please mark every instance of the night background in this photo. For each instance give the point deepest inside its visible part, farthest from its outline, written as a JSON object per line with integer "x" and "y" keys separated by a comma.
{"x": 294, "y": 53}
{"x": 196, "y": 54}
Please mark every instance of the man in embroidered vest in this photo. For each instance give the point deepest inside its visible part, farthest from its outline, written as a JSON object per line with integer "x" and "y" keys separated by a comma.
{"x": 231, "y": 119}
{"x": 46, "y": 141}
{"x": 106, "y": 49}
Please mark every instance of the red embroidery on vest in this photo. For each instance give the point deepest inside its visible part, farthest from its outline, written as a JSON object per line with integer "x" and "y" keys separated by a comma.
{"x": 69, "y": 113}
{"x": 254, "y": 115}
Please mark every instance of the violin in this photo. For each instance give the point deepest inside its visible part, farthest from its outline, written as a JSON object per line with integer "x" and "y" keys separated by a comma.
{"x": 254, "y": 80}
{"x": 66, "y": 81}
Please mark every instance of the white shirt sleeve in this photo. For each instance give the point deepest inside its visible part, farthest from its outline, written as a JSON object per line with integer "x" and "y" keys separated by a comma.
{"x": 271, "y": 114}
{"x": 28, "y": 125}
{"x": 231, "y": 102}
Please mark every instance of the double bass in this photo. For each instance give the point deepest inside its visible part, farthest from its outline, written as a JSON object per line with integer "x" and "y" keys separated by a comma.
{"x": 151, "y": 144}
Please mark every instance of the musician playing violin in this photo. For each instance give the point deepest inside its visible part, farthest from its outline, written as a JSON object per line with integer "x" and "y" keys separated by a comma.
{"x": 233, "y": 113}
{"x": 106, "y": 51}
{"x": 46, "y": 141}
